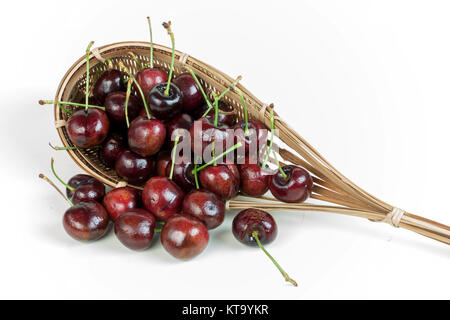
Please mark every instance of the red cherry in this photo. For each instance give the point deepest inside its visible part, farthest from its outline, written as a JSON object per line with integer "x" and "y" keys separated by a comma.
{"x": 192, "y": 96}
{"x": 254, "y": 179}
{"x": 115, "y": 107}
{"x": 135, "y": 229}
{"x": 296, "y": 187}
{"x": 121, "y": 200}
{"x": 206, "y": 206}
{"x": 146, "y": 136}
{"x": 109, "y": 81}
{"x": 134, "y": 168}
{"x": 162, "y": 161}
{"x": 150, "y": 77}
{"x": 87, "y": 128}
{"x": 223, "y": 180}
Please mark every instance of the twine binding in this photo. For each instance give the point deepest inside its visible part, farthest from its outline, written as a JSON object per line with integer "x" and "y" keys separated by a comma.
{"x": 60, "y": 123}
{"x": 394, "y": 217}
{"x": 97, "y": 54}
{"x": 183, "y": 58}
{"x": 121, "y": 184}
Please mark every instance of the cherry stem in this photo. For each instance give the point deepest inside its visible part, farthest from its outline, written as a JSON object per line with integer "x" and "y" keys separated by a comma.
{"x": 52, "y": 161}
{"x": 157, "y": 230}
{"x": 285, "y": 275}
{"x": 151, "y": 41}
{"x": 62, "y": 148}
{"x": 167, "y": 25}
{"x": 216, "y": 109}
{"x": 127, "y": 98}
{"x": 138, "y": 86}
{"x": 279, "y": 166}
{"x": 195, "y": 177}
{"x": 235, "y": 82}
{"x": 174, "y": 153}
{"x": 42, "y": 176}
{"x": 210, "y": 106}
{"x": 272, "y": 126}
{"x": 88, "y": 50}
{"x": 245, "y": 109}
{"x": 42, "y": 102}
{"x": 237, "y": 145}
{"x": 138, "y": 63}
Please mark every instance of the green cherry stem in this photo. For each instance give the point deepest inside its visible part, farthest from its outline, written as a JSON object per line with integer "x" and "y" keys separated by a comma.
{"x": 174, "y": 153}
{"x": 272, "y": 127}
{"x": 62, "y": 148}
{"x": 195, "y": 177}
{"x": 237, "y": 145}
{"x": 167, "y": 26}
{"x": 244, "y": 105}
{"x": 42, "y": 176}
{"x": 43, "y": 102}
{"x": 52, "y": 166}
{"x": 216, "y": 109}
{"x": 88, "y": 50}
{"x": 138, "y": 63}
{"x": 125, "y": 69}
{"x": 285, "y": 275}
{"x": 127, "y": 98}
{"x": 279, "y": 166}
{"x": 151, "y": 42}
{"x": 210, "y": 106}
{"x": 217, "y": 99}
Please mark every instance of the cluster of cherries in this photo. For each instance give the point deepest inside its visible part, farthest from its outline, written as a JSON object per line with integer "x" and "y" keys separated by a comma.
{"x": 134, "y": 120}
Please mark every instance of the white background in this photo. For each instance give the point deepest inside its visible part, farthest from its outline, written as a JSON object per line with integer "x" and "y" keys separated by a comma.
{"x": 365, "y": 82}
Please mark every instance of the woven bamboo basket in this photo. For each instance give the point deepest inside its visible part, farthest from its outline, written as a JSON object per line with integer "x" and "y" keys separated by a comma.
{"x": 339, "y": 194}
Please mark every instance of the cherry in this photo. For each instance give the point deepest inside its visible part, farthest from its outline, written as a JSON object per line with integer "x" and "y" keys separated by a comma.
{"x": 257, "y": 227}
{"x": 256, "y": 135}
{"x": 121, "y": 200}
{"x": 150, "y": 77}
{"x": 87, "y": 128}
{"x": 184, "y": 236}
{"x": 165, "y": 99}
{"x": 192, "y": 96}
{"x": 134, "y": 168}
{"x": 109, "y": 81}
{"x": 84, "y": 221}
{"x": 162, "y": 197}
{"x": 115, "y": 107}
{"x": 135, "y": 229}
{"x": 223, "y": 179}
{"x": 227, "y": 115}
{"x": 182, "y": 121}
{"x": 291, "y": 184}
{"x": 162, "y": 162}
{"x": 76, "y": 181}
{"x": 206, "y": 206}
{"x": 112, "y": 148}
{"x": 204, "y": 132}
{"x": 146, "y": 136}
{"x": 254, "y": 179}
{"x": 182, "y": 175}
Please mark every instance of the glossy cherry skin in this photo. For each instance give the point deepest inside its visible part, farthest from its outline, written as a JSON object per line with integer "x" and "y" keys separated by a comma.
{"x": 115, "y": 107}
{"x": 182, "y": 175}
{"x": 256, "y": 136}
{"x": 223, "y": 180}
{"x": 76, "y": 181}
{"x": 135, "y": 229}
{"x": 109, "y": 81}
{"x": 121, "y": 200}
{"x": 112, "y": 148}
{"x": 250, "y": 220}
{"x": 184, "y": 236}
{"x": 150, "y": 77}
{"x": 162, "y": 106}
{"x": 192, "y": 96}
{"x": 134, "y": 168}
{"x": 205, "y": 206}
{"x": 86, "y": 221}
{"x": 93, "y": 191}
{"x": 146, "y": 136}
{"x": 162, "y": 161}
{"x": 88, "y": 128}
{"x": 295, "y": 188}
{"x": 203, "y": 132}
{"x": 162, "y": 197}
{"x": 254, "y": 179}
{"x": 182, "y": 121}
{"x": 227, "y": 115}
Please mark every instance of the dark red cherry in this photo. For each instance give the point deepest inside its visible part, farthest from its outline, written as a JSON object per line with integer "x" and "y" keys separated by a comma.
{"x": 295, "y": 188}
{"x": 112, "y": 147}
{"x": 192, "y": 96}
{"x": 162, "y": 161}
{"x": 86, "y": 221}
{"x": 184, "y": 236}
{"x": 182, "y": 175}
{"x": 162, "y": 197}
{"x": 182, "y": 121}
{"x": 92, "y": 191}
{"x": 206, "y": 206}
{"x": 223, "y": 180}
{"x": 250, "y": 220}
{"x": 135, "y": 229}
{"x": 146, "y": 136}
{"x": 76, "y": 181}
{"x": 150, "y": 77}
{"x": 162, "y": 106}
{"x": 115, "y": 107}
{"x": 87, "y": 128}
{"x": 203, "y": 133}
{"x": 227, "y": 115}
{"x": 120, "y": 200}
{"x": 108, "y": 82}
{"x": 254, "y": 140}
{"x": 254, "y": 179}
{"x": 134, "y": 168}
